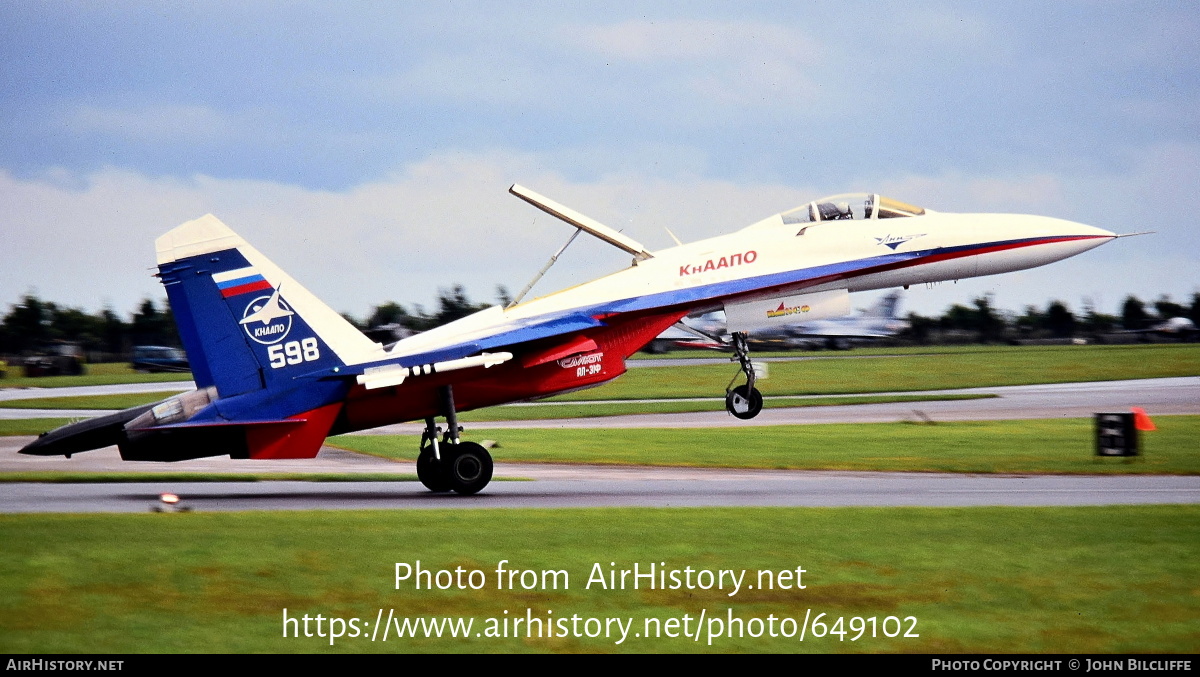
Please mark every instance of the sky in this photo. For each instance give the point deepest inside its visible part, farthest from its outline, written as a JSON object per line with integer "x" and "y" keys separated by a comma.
{"x": 367, "y": 147}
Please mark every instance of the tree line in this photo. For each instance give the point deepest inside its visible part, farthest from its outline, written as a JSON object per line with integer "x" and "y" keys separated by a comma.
{"x": 31, "y": 324}
{"x": 983, "y": 322}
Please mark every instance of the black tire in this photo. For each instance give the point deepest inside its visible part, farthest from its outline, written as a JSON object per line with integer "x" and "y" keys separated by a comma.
{"x": 743, "y": 402}
{"x": 432, "y": 472}
{"x": 468, "y": 468}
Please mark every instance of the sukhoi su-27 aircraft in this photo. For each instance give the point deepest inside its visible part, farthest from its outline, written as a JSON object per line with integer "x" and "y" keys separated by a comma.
{"x": 277, "y": 370}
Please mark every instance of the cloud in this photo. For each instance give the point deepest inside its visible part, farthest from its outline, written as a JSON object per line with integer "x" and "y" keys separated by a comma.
{"x": 696, "y": 40}
{"x": 88, "y": 239}
{"x": 151, "y": 123}
{"x": 738, "y": 64}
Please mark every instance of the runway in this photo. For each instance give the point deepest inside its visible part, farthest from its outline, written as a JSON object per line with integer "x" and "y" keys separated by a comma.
{"x": 591, "y": 486}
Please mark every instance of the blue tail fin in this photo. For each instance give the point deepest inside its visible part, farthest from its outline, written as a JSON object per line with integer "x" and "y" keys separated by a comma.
{"x": 247, "y": 325}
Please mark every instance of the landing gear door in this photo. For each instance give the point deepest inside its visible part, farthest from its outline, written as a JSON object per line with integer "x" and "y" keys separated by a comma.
{"x": 783, "y": 311}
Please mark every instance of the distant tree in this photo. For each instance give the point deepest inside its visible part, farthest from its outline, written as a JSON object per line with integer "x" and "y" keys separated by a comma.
{"x": 958, "y": 317}
{"x": 27, "y": 324}
{"x": 113, "y": 332}
{"x": 920, "y": 327}
{"x": 502, "y": 296}
{"x": 1094, "y": 322}
{"x": 1133, "y": 314}
{"x": 453, "y": 304}
{"x": 983, "y": 319}
{"x": 386, "y": 313}
{"x": 988, "y": 323}
{"x": 151, "y": 327}
{"x": 1059, "y": 320}
{"x": 1030, "y": 321}
{"x": 73, "y": 324}
{"x": 1194, "y": 311}
{"x": 1167, "y": 308}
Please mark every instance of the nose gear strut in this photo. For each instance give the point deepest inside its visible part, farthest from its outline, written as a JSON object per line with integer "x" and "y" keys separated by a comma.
{"x": 744, "y": 401}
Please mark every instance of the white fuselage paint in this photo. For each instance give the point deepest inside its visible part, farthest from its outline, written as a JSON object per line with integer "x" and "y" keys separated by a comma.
{"x": 774, "y": 248}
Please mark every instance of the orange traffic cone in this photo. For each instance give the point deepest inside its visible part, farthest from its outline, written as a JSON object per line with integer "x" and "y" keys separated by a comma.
{"x": 1141, "y": 420}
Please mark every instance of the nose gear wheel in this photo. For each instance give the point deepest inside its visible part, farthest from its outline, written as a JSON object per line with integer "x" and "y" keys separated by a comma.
{"x": 744, "y": 401}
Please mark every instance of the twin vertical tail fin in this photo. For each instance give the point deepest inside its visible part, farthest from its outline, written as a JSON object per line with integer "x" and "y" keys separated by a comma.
{"x": 247, "y": 325}
{"x": 886, "y": 307}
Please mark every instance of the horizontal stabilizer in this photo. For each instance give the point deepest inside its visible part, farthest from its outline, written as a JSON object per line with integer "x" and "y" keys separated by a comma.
{"x": 298, "y": 436}
{"x": 86, "y": 435}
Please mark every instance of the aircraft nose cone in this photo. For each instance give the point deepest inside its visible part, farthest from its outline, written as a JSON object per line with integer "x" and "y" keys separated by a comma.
{"x": 1063, "y": 228}
{"x": 1068, "y": 238}
{"x": 1092, "y": 231}
{"x": 1081, "y": 235}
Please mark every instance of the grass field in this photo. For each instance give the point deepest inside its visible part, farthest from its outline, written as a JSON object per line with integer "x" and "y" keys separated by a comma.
{"x": 1035, "y": 446}
{"x": 985, "y": 580}
{"x": 97, "y": 374}
{"x": 30, "y": 426}
{"x": 972, "y": 348}
{"x": 115, "y": 402}
{"x": 908, "y": 371}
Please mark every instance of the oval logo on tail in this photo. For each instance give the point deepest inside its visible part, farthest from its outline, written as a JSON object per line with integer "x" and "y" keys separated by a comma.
{"x": 267, "y": 319}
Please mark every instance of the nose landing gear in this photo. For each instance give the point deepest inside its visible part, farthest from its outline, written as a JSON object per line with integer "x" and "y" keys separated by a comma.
{"x": 744, "y": 401}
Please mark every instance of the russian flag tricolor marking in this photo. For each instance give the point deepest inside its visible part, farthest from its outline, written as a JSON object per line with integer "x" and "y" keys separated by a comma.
{"x": 240, "y": 281}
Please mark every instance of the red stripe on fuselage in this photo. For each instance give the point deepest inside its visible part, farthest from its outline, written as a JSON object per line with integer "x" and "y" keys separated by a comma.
{"x": 963, "y": 253}
{"x": 988, "y": 249}
{"x": 928, "y": 258}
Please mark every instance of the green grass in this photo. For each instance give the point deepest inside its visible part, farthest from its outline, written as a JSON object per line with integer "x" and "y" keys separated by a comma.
{"x": 30, "y": 426}
{"x": 879, "y": 350}
{"x": 1115, "y": 579}
{"x": 915, "y": 371}
{"x": 566, "y": 409}
{"x": 1036, "y": 446}
{"x": 109, "y": 373}
{"x": 120, "y": 401}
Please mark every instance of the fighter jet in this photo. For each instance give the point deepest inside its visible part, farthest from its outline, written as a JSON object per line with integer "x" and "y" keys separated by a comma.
{"x": 277, "y": 370}
{"x": 1171, "y": 329}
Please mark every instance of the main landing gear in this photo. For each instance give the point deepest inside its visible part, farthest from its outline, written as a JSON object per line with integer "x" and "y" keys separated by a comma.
{"x": 451, "y": 464}
{"x": 744, "y": 401}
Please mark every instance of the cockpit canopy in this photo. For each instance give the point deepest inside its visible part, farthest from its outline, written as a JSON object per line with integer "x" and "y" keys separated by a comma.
{"x": 851, "y": 206}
